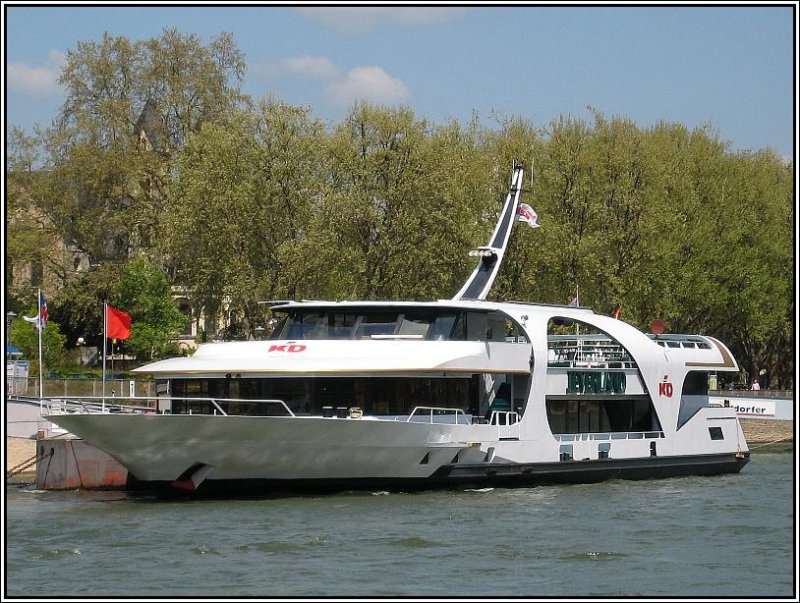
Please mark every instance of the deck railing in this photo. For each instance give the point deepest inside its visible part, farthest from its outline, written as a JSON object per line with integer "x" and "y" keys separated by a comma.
{"x": 586, "y": 351}
{"x": 614, "y": 435}
{"x": 419, "y": 414}
{"x": 144, "y": 404}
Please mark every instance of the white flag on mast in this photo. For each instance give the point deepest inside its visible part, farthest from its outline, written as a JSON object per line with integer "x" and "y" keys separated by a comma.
{"x": 40, "y": 320}
{"x": 525, "y": 213}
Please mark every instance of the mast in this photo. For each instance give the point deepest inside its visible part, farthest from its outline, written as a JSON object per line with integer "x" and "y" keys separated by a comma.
{"x": 482, "y": 278}
{"x": 39, "y": 329}
{"x": 105, "y": 331}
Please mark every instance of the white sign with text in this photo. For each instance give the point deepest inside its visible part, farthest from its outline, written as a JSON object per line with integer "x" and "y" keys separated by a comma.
{"x": 753, "y": 408}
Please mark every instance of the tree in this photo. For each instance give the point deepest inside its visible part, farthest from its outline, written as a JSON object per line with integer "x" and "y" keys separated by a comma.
{"x": 91, "y": 189}
{"x": 30, "y": 235}
{"x": 145, "y": 293}
{"x": 400, "y": 204}
{"x": 157, "y": 153}
{"x": 568, "y": 249}
{"x": 129, "y": 108}
{"x": 25, "y": 336}
{"x": 517, "y": 141}
{"x": 78, "y": 307}
{"x": 240, "y": 208}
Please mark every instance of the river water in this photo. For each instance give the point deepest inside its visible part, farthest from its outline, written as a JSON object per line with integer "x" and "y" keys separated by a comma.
{"x": 730, "y": 535}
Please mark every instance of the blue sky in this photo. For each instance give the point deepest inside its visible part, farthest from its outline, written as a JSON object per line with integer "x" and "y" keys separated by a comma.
{"x": 730, "y": 67}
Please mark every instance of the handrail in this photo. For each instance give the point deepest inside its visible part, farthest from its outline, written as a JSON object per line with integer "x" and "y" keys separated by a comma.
{"x": 454, "y": 411}
{"x": 586, "y": 351}
{"x": 218, "y": 407}
{"x": 609, "y": 435}
{"x": 507, "y": 415}
{"x": 101, "y": 403}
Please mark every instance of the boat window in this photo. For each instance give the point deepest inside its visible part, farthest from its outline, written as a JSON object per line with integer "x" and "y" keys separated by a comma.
{"x": 694, "y": 396}
{"x": 459, "y": 332}
{"x": 695, "y": 384}
{"x": 716, "y": 433}
{"x": 413, "y": 326}
{"x": 514, "y": 332}
{"x": 677, "y": 341}
{"x": 619, "y": 414}
{"x": 340, "y": 325}
{"x": 418, "y": 323}
{"x": 493, "y": 326}
{"x": 378, "y": 323}
{"x": 378, "y": 396}
{"x": 302, "y": 326}
{"x": 476, "y": 394}
{"x": 443, "y": 327}
{"x": 476, "y": 326}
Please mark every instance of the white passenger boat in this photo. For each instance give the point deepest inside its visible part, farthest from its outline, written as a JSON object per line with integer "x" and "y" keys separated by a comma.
{"x": 407, "y": 395}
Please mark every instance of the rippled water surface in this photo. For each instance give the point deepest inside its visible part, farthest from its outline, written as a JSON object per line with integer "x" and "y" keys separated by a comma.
{"x": 720, "y": 536}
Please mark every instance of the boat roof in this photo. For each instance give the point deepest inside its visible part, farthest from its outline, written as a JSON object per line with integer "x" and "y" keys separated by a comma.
{"x": 342, "y": 357}
{"x": 510, "y": 307}
{"x": 382, "y": 356}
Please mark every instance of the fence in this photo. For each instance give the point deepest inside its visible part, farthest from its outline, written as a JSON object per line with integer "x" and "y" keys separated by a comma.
{"x": 750, "y": 393}
{"x": 80, "y": 387}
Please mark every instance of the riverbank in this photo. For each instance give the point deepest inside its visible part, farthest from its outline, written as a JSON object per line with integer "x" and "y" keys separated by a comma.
{"x": 768, "y": 435}
{"x": 763, "y": 435}
{"x": 18, "y": 451}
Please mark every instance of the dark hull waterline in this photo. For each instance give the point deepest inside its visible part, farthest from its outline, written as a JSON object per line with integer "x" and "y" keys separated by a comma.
{"x": 466, "y": 476}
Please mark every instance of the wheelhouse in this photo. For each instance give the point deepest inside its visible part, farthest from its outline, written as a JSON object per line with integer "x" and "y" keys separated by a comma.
{"x": 423, "y": 323}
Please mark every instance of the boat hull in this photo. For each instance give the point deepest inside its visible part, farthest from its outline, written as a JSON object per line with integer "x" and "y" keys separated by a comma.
{"x": 472, "y": 476}
{"x": 233, "y": 455}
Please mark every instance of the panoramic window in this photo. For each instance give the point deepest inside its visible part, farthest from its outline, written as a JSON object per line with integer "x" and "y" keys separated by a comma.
{"x": 475, "y": 394}
{"x": 430, "y": 324}
{"x": 607, "y": 415}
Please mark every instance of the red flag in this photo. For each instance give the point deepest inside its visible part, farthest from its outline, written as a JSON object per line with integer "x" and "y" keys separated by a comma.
{"x": 617, "y": 311}
{"x": 118, "y": 323}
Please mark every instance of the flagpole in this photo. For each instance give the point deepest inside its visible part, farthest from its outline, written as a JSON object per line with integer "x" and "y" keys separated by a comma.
{"x": 41, "y": 365}
{"x": 105, "y": 327}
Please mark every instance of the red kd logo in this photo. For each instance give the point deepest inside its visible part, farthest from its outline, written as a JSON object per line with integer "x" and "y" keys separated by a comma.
{"x": 287, "y": 347}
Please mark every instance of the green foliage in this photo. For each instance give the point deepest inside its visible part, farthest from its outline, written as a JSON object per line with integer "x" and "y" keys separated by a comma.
{"x": 25, "y": 336}
{"x": 29, "y": 236}
{"x": 144, "y": 292}
{"x": 157, "y": 152}
{"x": 79, "y": 305}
